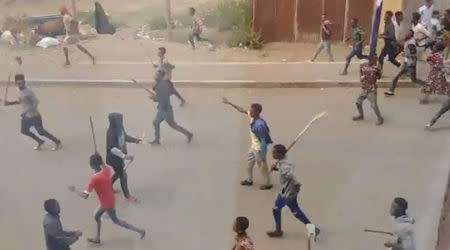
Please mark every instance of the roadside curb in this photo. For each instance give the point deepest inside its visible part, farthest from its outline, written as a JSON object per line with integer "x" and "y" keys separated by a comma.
{"x": 205, "y": 84}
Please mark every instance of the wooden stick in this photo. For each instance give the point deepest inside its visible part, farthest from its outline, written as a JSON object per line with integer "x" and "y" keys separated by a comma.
{"x": 378, "y": 232}
{"x": 6, "y": 89}
{"x": 151, "y": 92}
{"x": 93, "y": 134}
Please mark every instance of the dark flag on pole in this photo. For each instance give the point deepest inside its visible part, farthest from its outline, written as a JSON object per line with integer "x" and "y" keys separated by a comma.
{"x": 376, "y": 27}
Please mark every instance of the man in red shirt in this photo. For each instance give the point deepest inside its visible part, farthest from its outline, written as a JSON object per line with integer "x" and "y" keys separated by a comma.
{"x": 101, "y": 183}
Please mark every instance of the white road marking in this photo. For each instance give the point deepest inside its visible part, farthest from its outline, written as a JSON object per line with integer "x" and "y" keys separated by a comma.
{"x": 211, "y": 63}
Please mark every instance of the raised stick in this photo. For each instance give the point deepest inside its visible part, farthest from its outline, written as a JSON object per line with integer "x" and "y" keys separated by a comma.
{"x": 6, "y": 89}
{"x": 93, "y": 134}
{"x": 378, "y": 232}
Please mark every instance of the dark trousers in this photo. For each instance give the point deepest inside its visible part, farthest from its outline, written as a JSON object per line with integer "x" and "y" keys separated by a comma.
{"x": 36, "y": 122}
{"x": 167, "y": 115}
{"x": 403, "y": 70}
{"x": 292, "y": 204}
{"x": 119, "y": 173}
{"x": 389, "y": 50}
{"x": 196, "y": 35}
{"x": 357, "y": 51}
{"x": 445, "y": 107}
{"x": 112, "y": 214}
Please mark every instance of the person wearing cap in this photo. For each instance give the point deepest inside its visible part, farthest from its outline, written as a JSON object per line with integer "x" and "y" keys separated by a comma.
{"x": 164, "y": 89}
{"x": 30, "y": 115}
{"x": 404, "y": 230}
{"x": 56, "y": 238}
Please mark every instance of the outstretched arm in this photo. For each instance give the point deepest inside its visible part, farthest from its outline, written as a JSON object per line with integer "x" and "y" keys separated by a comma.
{"x": 83, "y": 195}
{"x": 11, "y": 103}
{"x": 238, "y": 108}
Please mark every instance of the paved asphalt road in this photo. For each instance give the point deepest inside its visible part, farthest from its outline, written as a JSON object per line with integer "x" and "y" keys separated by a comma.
{"x": 350, "y": 171}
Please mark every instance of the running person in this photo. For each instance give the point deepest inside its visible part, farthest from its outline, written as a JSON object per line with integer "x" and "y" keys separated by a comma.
{"x": 260, "y": 140}
{"x": 437, "y": 82}
{"x": 31, "y": 116}
{"x": 325, "y": 39}
{"x": 289, "y": 192}
{"x": 369, "y": 74}
{"x": 357, "y": 42}
{"x": 409, "y": 65}
{"x": 390, "y": 43}
{"x": 101, "y": 183}
{"x": 72, "y": 34}
{"x": 164, "y": 89}
{"x": 197, "y": 29}
{"x": 117, "y": 153}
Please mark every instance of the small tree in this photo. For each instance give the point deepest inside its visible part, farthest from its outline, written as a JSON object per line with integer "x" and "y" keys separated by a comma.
{"x": 169, "y": 21}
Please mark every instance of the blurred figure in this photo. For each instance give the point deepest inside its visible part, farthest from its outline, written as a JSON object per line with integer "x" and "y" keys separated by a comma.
{"x": 437, "y": 82}
{"x": 390, "y": 43}
{"x": 197, "y": 29}
{"x": 55, "y": 236}
{"x": 426, "y": 13}
{"x": 325, "y": 39}
{"x": 403, "y": 226}
{"x": 242, "y": 240}
{"x": 357, "y": 43}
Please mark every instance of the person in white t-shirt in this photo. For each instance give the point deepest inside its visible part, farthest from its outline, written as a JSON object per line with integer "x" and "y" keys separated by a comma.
{"x": 426, "y": 13}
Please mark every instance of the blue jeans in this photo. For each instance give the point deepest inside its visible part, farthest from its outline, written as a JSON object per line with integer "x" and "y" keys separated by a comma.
{"x": 357, "y": 51}
{"x": 293, "y": 206}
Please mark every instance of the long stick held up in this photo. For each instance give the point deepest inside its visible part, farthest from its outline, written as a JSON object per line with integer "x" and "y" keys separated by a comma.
{"x": 315, "y": 118}
{"x": 93, "y": 134}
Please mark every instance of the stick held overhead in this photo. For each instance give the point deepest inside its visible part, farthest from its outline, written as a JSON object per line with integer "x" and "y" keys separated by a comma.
{"x": 93, "y": 134}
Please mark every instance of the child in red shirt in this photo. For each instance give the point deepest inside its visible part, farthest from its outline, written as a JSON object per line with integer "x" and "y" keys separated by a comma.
{"x": 101, "y": 183}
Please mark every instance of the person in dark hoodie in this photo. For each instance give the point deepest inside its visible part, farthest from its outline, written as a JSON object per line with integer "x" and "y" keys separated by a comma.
{"x": 102, "y": 24}
{"x": 101, "y": 183}
{"x": 117, "y": 153}
{"x": 164, "y": 89}
{"x": 403, "y": 226}
{"x": 55, "y": 236}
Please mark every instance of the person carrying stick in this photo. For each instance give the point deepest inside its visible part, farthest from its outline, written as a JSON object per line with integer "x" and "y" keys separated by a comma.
{"x": 260, "y": 139}
{"x": 403, "y": 226}
{"x": 288, "y": 194}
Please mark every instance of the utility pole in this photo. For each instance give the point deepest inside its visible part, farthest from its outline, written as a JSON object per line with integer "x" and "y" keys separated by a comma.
{"x": 169, "y": 20}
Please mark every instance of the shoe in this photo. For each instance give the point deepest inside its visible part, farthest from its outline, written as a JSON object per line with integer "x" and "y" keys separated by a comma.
{"x": 317, "y": 234}
{"x": 155, "y": 143}
{"x": 133, "y": 199}
{"x": 266, "y": 187}
{"x": 429, "y": 125}
{"x": 93, "y": 241}
{"x": 57, "y": 146}
{"x": 358, "y": 118}
{"x": 344, "y": 73}
{"x": 379, "y": 122}
{"x": 389, "y": 93}
{"x": 275, "y": 234}
{"x": 189, "y": 138}
{"x": 246, "y": 183}
{"x": 39, "y": 146}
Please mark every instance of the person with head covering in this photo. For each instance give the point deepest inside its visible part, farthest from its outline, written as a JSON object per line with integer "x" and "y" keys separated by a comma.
{"x": 101, "y": 183}
{"x": 164, "y": 88}
{"x": 102, "y": 24}
{"x": 31, "y": 116}
{"x": 56, "y": 238}
{"x": 242, "y": 240}
{"x": 288, "y": 194}
{"x": 117, "y": 153}
{"x": 437, "y": 82}
{"x": 72, "y": 33}
{"x": 404, "y": 230}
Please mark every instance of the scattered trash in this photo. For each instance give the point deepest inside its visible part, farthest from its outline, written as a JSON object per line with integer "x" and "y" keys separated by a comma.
{"x": 8, "y": 37}
{"x": 86, "y": 30}
{"x": 48, "y": 42}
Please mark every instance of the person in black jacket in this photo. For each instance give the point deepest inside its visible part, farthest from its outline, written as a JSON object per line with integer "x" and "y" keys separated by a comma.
{"x": 55, "y": 237}
{"x": 116, "y": 151}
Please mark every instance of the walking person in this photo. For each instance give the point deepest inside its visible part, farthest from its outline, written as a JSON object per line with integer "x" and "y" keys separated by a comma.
{"x": 370, "y": 73}
{"x": 390, "y": 43}
{"x": 437, "y": 82}
{"x": 409, "y": 64}
{"x": 289, "y": 192}
{"x": 197, "y": 30}
{"x": 117, "y": 153}
{"x": 242, "y": 240}
{"x": 260, "y": 140}
{"x": 325, "y": 39}
{"x": 399, "y": 26}
{"x": 426, "y": 13}
{"x": 31, "y": 116}
{"x": 101, "y": 183}
{"x": 357, "y": 43}
{"x": 56, "y": 238}
{"x": 404, "y": 230}
{"x": 72, "y": 36}
{"x": 164, "y": 89}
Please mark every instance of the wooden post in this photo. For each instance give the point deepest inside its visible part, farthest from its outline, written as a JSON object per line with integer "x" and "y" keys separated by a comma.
{"x": 346, "y": 18}
{"x": 169, "y": 21}
{"x": 296, "y": 21}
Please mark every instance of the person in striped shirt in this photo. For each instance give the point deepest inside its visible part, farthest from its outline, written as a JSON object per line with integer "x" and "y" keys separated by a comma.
{"x": 197, "y": 29}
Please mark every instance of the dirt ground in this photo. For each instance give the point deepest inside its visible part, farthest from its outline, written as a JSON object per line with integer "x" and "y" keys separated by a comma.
{"x": 444, "y": 227}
